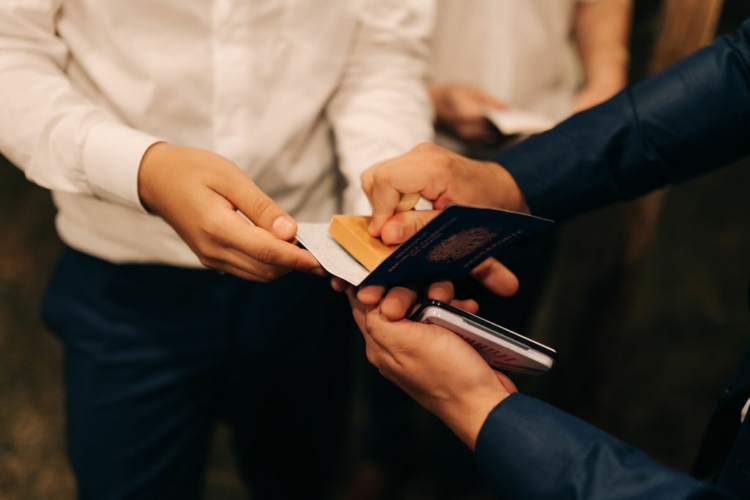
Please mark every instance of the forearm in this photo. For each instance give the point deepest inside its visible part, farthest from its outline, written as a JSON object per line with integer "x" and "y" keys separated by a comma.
{"x": 601, "y": 31}
{"x": 528, "y": 449}
{"x": 690, "y": 119}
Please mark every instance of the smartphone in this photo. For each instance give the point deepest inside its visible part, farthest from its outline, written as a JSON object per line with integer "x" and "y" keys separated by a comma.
{"x": 503, "y": 349}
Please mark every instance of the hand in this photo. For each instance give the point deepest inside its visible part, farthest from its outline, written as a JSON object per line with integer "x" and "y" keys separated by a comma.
{"x": 198, "y": 193}
{"x": 460, "y": 107}
{"x": 433, "y": 365}
{"x": 491, "y": 273}
{"x": 399, "y": 301}
{"x": 440, "y": 176}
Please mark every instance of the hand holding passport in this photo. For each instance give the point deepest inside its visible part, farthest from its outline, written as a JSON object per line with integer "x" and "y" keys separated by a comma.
{"x": 452, "y": 244}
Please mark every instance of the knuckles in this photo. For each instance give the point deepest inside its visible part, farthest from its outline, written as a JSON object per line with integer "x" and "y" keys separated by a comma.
{"x": 426, "y": 147}
{"x": 211, "y": 227}
{"x": 380, "y": 176}
{"x": 267, "y": 255}
{"x": 207, "y": 262}
{"x": 269, "y": 273}
{"x": 260, "y": 207}
{"x": 207, "y": 249}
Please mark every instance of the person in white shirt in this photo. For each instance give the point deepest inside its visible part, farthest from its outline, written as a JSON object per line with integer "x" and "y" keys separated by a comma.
{"x": 161, "y": 127}
{"x": 527, "y": 55}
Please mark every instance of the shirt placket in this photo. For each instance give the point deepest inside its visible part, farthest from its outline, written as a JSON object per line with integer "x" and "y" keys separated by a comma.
{"x": 232, "y": 56}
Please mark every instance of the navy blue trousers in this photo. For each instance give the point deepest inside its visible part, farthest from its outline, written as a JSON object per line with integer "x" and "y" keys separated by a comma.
{"x": 155, "y": 355}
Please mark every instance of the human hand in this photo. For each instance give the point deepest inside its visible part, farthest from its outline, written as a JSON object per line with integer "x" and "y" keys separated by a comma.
{"x": 491, "y": 273}
{"x": 198, "y": 193}
{"x": 434, "y": 366}
{"x": 460, "y": 107}
{"x": 440, "y": 176}
{"x": 399, "y": 301}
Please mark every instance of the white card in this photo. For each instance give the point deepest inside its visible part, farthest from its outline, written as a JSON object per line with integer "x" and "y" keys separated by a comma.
{"x": 330, "y": 254}
{"x": 516, "y": 121}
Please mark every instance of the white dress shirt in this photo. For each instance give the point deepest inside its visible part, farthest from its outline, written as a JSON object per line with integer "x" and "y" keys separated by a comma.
{"x": 87, "y": 86}
{"x": 519, "y": 51}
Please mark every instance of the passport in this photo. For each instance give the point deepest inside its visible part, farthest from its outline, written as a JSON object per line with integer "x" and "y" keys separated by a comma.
{"x": 457, "y": 240}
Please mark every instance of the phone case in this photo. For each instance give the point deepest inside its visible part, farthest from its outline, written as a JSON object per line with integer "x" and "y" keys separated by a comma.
{"x": 503, "y": 349}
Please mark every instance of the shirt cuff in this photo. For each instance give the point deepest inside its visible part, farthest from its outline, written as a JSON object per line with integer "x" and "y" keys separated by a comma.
{"x": 111, "y": 159}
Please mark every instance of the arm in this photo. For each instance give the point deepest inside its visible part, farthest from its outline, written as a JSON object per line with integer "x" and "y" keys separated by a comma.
{"x": 524, "y": 448}
{"x": 688, "y": 120}
{"x": 528, "y": 449}
{"x": 61, "y": 139}
{"x": 381, "y": 108}
{"x": 600, "y": 30}
{"x": 65, "y": 141}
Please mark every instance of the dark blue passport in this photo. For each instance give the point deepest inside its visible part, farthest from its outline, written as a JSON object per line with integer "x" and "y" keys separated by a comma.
{"x": 453, "y": 243}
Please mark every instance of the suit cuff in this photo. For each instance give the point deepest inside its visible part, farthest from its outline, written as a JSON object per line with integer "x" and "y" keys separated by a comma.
{"x": 111, "y": 159}
{"x": 519, "y": 450}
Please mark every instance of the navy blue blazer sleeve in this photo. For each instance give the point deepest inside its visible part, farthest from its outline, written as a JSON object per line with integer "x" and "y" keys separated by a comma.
{"x": 690, "y": 119}
{"x": 529, "y": 449}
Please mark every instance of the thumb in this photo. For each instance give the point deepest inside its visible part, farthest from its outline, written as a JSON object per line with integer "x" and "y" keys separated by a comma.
{"x": 257, "y": 206}
{"x": 402, "y": 225}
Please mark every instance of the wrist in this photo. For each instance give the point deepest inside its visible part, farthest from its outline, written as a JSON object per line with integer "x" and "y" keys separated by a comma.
{"x": 153, "y": 160}
{"x": 509, "y": 195}
{"x": 612, "y": 77}
{"x": 466, "y": 416}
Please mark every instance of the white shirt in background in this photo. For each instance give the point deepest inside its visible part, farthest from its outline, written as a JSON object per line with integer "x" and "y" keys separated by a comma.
{"x": 86, "y": 86}
{"x": 519, "y": 51}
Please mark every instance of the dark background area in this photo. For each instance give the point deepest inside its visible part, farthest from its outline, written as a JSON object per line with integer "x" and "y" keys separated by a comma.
{"x": 657, "y": 376}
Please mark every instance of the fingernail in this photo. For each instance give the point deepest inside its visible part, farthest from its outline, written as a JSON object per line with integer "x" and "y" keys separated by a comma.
{"x": 284, "y": 227}
{"x": 371, "y": 228}
{"x": 397, "y": 232}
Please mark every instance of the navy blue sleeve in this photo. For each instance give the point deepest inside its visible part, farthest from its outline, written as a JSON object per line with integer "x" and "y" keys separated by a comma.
{"x": 692, "y": 118}
{"x": 529, "y": 449}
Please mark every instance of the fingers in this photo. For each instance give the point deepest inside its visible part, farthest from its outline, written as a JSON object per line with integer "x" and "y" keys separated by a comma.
{"x": 492, "y": 101}
{"x": 496, "y": 277}
{"x": 474, "y": 130}
{"x": 262, "y": 246}
{"x": 244, "y": 194}
{"x": 442, "y": 291}
{"x": 359, "y": 310}
{"x": 339, "y": 285}
{"x": 397, "y": 303}
{"x": 231, "y": 244}
{"x": 469, "y": 305}
{"x": 371, "y": 295}
{"x": 425, "y": 170}
{"x": 385, "y": 198}
{"x": 401, "y": 226}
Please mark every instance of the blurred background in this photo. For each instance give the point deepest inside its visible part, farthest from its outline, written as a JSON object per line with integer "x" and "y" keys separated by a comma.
{"x": 647, "y": 337}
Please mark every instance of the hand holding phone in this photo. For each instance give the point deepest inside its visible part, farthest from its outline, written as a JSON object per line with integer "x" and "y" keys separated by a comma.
{"x": 503, "y": 349}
